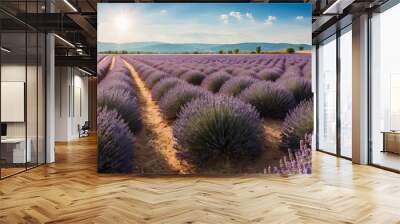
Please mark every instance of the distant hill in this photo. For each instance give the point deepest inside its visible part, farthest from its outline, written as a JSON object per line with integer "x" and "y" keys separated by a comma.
{"x": 160, "y": 47}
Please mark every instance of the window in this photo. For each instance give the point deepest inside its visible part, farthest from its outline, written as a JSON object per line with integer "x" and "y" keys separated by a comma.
{"x": 346, "y": 92}
{"x": 385, "y": 89}
{"x": 327, "y": 95}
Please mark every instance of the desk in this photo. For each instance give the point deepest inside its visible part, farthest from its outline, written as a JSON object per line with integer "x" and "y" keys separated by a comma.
{"x": 15, "y": 148}
{"x": 391, "y": 141}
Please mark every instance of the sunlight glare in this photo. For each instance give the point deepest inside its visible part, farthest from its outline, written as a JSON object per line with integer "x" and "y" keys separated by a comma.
{"x": 122, "y": 22}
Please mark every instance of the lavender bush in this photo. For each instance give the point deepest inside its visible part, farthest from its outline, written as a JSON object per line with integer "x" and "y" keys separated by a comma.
{"x": 193, "y": 77}
{"x": 269, "y": 74}
{"x": 115, "y": 84}
{"x": 297, "y": 123}
{"x": 270, "y": 99}
{"x": 115, "y": 143}
{"x": 174, "y": 99}
{"x": 236, "y": 85}
{"x": 163, "y": 86}
{"x": 152, "y": 79}
{"x": 123, "y": 102}
{"x": 214, "y": 81}
{"x": 247, "y": 73}
{"x": 102, "y": 68}
{"x": 218, "y": 128}
{"x": 299, "y": 87}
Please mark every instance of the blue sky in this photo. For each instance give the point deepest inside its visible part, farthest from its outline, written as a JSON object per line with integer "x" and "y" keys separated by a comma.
{"x": 204, "y": 23}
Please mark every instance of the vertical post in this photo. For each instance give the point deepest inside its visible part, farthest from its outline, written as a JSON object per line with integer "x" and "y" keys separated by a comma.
{"x": 0, "y": 95}
{"x": 338, "y": 81}
{"x": 360, "y": 90}
{"x": 314, "y": 79}
{"x": 50, "y": 92}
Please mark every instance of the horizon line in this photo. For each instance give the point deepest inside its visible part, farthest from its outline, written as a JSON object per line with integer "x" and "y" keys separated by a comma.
{"x": 201, "y": 43}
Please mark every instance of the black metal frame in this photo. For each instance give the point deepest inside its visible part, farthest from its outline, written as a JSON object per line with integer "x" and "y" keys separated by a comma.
{"x": 44, "y": 70}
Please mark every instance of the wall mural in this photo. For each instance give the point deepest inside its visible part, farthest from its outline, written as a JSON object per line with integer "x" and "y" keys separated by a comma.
{"x": 204, "y": 88}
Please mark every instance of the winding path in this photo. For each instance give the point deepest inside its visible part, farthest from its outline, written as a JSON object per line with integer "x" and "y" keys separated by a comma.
{"x": 155, "y": 152}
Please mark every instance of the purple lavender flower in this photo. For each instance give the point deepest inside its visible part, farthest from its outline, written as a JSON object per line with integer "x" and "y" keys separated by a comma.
{"x": 123, "y": 102}
{"x": 298, "y": 162}
{"x": 297, "y": 123}
{"x": 115, "y": 143}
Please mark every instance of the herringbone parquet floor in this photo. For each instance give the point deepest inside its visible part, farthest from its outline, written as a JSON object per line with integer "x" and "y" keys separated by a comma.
{"x": 70, "y": 191}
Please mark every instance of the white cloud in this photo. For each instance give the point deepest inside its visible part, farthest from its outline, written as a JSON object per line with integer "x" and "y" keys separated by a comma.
{"x": 250, "y": 16}
{"x": 236, "y": 15}
{"x": 224, "y": 18}
{"x": 299, "y": 17}
{"x": 270, "y": 20}
{"x": 163, "y": 11}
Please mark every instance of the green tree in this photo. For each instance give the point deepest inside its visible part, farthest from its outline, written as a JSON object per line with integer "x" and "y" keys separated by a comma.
{"x": 230, "y": 52}
{"x": 236, "y": 51}
{"x": 258, "y": 50}
{"x": 301, "y": 48}
{"x": 290, "y": 50}
{"x": 220, "y": 51}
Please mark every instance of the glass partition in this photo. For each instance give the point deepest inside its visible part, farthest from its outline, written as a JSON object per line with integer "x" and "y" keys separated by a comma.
{"x": 22, "y": 77}
{"x": 327, "y": 95}
{"x": 14, "y": 153}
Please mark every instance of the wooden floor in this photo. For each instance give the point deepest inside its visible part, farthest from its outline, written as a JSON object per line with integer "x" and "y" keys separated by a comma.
{"x": 70, "y": 191}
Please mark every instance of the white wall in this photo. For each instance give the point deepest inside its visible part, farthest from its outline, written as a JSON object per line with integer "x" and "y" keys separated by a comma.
{"x": 71, "y": 102}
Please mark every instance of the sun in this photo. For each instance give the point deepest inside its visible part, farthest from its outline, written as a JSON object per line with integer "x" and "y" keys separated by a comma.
{"x": 122, "y": 22}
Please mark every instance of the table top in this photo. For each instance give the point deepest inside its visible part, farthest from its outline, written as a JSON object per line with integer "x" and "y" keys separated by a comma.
{"x": 391, "y": 132}
{"x": 13, "y": 140}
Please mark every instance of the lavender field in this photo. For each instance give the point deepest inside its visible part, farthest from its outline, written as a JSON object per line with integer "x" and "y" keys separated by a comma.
{"x": 187, "y": 114}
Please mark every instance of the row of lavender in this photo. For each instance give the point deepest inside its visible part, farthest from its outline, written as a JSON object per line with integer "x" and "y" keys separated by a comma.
{"x": 272, "y": 99}
{"x": 285, "y": 84}
{"x": 118, "y": 117}
{"x": 227, "y": 125}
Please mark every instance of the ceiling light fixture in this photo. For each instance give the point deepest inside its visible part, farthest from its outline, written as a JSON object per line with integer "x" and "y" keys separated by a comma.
{"x": 337, "y": 7}
{"x": 5, "y": 50}
{"x": 70, "y": 5}
{"x": 64, "y": 40}
{"x": 84, "y": 71}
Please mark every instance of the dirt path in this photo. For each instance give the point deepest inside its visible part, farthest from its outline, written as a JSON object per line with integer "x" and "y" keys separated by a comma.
{"x": 112, "y": 63}
{"x": 154, "y": 151}
{"x": 273, "y": 130}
